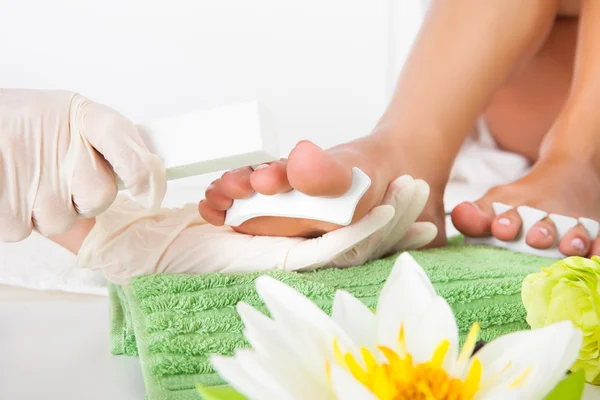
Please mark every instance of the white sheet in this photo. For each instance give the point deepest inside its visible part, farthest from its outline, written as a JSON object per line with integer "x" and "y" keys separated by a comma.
{"x": 40, "y": 264}
{"x": 37, "y": 263}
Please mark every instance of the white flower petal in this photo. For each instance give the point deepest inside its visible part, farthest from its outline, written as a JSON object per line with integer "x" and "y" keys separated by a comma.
{"x": 237, "y": 377}
{"x": 307, "y": 330}
{"x": 548, "y": 352}
{"x": 514, "y": 394}
{"x": 282, "y": 383}
{"x": 276, "y": 349}
{"x": 348, "y": 388}
{"x": 356, "y": 319}
{"x": 293, "y": 310}
{"x": 425, "y": 335}
{"x": 279, "y": 343}
{"x": 281, "y": 299}
{"x": 403, "y": 299}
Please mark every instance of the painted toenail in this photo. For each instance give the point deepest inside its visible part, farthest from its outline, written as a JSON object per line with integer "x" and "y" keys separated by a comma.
{"x": 504, "y": 221}
{"x": 544, "y": 231}
{"x": 261, "y": 166}
{"x": 578, "y": 244}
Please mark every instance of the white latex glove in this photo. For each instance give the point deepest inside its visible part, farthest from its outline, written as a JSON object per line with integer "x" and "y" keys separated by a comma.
{"x": 128, "y": 240}
{"x": 58, "y": 151}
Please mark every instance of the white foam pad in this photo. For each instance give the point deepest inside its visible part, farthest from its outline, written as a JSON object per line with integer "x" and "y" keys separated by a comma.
{"x": 338, "y": 210}
{"x": 212, "y": 140}
{"x": 500, "y": 208}
{"x": 563, "y": 224}
{"x": 529, "y": 217}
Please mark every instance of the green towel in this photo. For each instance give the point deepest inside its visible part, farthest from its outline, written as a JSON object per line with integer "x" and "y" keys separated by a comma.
{"x": 173, "y": 322}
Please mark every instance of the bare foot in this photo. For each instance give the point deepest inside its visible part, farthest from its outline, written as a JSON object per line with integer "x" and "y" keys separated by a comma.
{"x": 560, "y": 184}
{"x": 314, "y": 172}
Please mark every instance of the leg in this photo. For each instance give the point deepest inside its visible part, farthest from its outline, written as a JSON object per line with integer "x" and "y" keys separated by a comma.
{"x": 523, "y": 111}
{"x": 463, "y": 54}
{"x": 566, "y": 178}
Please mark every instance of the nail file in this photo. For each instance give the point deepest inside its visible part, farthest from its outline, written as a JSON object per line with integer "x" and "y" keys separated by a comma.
{"x": 529, "y": 217}
{"x": 294, "y": 204}
{"x": 214, "y": 140}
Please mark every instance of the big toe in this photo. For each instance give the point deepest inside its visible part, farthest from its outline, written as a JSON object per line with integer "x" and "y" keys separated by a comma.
{"x": 472, "y": 219}
{"x": 314, "y": 172}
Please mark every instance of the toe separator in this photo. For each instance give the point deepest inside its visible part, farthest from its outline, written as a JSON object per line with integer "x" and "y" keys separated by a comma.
{"x": 529, "y": 217}
{"x": 563, "y": 225}
{"x": 592, "y": 227}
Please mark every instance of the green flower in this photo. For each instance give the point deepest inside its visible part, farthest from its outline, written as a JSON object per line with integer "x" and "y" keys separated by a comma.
{"x": 569, "y": 290}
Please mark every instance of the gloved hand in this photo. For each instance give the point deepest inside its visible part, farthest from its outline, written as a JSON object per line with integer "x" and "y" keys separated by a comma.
{"x": 128, "y": 240}
{"x": 58, "y": 151}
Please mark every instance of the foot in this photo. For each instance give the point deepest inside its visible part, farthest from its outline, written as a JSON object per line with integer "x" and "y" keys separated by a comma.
{"x": 314, "y": 172}
{"x": 557, "y": 184}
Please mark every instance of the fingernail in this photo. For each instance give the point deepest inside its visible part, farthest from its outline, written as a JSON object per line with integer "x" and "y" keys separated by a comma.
{"x": 504, "y": 221}
{"x": 261, "y": 166}
{"x": 544, "y": 231}
{"x": 578, "y": 244}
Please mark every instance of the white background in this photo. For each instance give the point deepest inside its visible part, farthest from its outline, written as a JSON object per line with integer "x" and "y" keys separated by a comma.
{"x": 325, "y": 67}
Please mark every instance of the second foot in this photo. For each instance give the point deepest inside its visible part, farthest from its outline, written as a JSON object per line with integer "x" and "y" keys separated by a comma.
{"x": 561, "y": 186}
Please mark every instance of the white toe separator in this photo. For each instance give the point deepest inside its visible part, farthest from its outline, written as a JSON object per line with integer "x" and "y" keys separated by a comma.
{"x": 592, "y": 227}
{"x": 338, "y": 210}
{"x": 529, "y": 217}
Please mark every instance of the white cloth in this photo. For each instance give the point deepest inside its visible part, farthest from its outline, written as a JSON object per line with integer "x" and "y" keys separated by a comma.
{"x": 40, "y": 264}
{"x": 480, "y": 161}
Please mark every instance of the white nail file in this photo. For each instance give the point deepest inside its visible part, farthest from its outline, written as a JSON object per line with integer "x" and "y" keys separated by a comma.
{"x": 529, "y": 217}
{"x": 214, "y": 140}
{"x": 338, "y": 210}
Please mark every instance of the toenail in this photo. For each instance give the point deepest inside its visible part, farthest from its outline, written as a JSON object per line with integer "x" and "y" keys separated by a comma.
{"x": 261, "y": 166}
{"x": 475, "y": 206}
{"x": 544, "y": 231}
{"x": 578, "y": 243}
{"x": 504, "y": 221}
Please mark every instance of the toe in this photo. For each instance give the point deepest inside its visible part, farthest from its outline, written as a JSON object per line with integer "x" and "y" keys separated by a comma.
{"x": 216, "y": 199}
{"x": 314, "y": 172}
{"x": 270, "y": 179}
{"x": 575, "y": 242}
{"x": 236, "y": 184}
{"x": 506, "y": 226}
{"x": 472, "y": 219}
{"x": 595, "y": 248}
{"x": 210, "y": 215}
{"x": 541, "y": 235}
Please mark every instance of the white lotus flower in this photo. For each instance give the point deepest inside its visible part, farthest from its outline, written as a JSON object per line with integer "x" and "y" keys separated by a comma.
{"x": 408, "y": 349}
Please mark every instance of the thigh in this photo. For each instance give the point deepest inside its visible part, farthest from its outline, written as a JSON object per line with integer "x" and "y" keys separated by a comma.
{"x": 520, "y": 114}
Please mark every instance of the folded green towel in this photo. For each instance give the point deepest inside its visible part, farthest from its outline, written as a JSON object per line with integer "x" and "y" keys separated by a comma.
{"x": 173, "y": 322}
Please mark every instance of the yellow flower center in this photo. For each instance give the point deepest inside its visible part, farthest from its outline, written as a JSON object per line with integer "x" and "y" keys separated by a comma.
{"x": 398, "y": 377}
